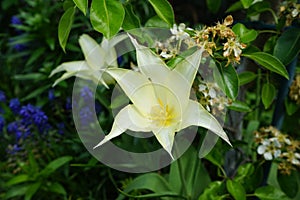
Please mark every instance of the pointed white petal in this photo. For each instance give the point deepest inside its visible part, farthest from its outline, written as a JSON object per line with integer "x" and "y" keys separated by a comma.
{"x": 136, "y": 86}
{"x": 127, "y": 118}
{"x": 109, "y": 47}
{"x": 189, "y": 66}
{"x": 196, "y": 115}
{"x": 165, "y": 137}
{"x": 150, "y": 64}
{"x": 92, "y": 51}
{"x": 74, "y": 66}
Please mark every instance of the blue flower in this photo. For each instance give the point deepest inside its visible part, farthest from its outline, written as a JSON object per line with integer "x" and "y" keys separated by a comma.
{"x": 60, "y": 127}
{"x": 85, "y": 116}
{"x": 2, "y": 96}
{"x": 68, "y": 104}
{"x": 14, "y": 105}
{"x": 34, "y": 115}
{"x": 86, "y": 94}
{"x": 2, "y": 122}
{"x": 19, "y": 129}
{"x": 51, "y": 95}
{"x": 15, "y": 20}
{"x": 13, "y": 149}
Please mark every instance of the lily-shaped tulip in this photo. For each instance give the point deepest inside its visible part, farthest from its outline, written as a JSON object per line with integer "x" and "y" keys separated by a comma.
{"x": 160, "y": 99}
{"x": 97, "y": 59}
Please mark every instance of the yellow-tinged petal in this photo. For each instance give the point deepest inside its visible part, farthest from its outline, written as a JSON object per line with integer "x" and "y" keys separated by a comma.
{"x": 74, "y": 66}
{"x": 137, "y": 87}
{"x": 165, "y": 137}
{"x": 93, "y": 53}
{"x": 127, "y": 119}
{"x": 196, "y": 115}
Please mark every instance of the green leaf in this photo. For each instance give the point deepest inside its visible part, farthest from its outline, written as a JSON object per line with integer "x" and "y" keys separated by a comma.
{"x": 196, "y": 178}
{"x": 36, "y": 92}
{"x": 246, "y": 3}
{"x": 258, "y": 8}
{"x": 246, "y": 77}
{"x": 291, "y": 107}
{"x": 268, "y": 94}
{"x": 82, "y": 5}
{"x": 288, "y": 183}
{"x": 131, "y": 21}
{"x": 65, "y": 25}
{"x": 214, "y": 191}
{"x": 270, "y": 193}
{"x": 234, "y": 7}
{"x": 270, "y": 44}
{"x": 156, "y": 21}
{"x": 150, "y": 181}
{"x": 164, "y": 10}
{"x": 54, "y": 165}
{"x": 31, "y": 76}
{"x": 19, "y": 190}
{"x": 18, "y": 179}
{"x": 246, "y": 35}
{"x": 269, "y": 62}
{"x": 56, "y": 188}
{"x": 213, "y": 5}
{"x": 107, "y": 16}
{"x": 236, "y": 190}
{"x": 288, "y": 45}
{"x": 230, "y": 81}
{"x": 32, "y": 189}
{"x": 35, "y": 55}
{"x": 239, "y": 106}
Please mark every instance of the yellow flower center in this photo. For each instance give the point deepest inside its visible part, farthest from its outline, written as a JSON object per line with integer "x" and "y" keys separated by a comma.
{"x": 161, "y": 115}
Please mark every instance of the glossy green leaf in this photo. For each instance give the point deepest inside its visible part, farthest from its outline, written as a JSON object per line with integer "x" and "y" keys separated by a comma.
{"x": 107, "y": 16}
{"x": 246, "y": 77}
{"x": 82, "y": 5}
{"x": 156, "y": 21}
{"x": 246, "y": 3}
{"x": 268, "y": 94}
{"x": 239, "y": 106}
{"x": 236, "y": 190}
{"x": 131, "y": 21}
{"x": 288, "y": 45}
{"x": 270, "y": 193}
{"x": 65, "y": 25}
{"x": 32, "y": 189}
{"x": 288, "y": 183}
{"x": 54, "y": 165}
{"x": 164, "y": 10}
{"x": 213, "y": 5}
{"x": 246, "y": 35}
{"x": 270, "y": 44}
{"x": 231, "y": 81}
{"x": 269, "y": 62}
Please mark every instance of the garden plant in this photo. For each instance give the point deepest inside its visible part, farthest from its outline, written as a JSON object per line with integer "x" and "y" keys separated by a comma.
{"x": 154, "y": 99}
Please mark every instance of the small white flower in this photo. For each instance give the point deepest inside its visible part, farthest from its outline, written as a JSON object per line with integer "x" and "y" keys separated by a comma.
{"x": 269, "y": 149}
{"x": 178, "y": 32}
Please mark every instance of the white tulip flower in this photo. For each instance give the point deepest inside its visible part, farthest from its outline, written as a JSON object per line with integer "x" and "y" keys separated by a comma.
{"x": 160, "y": 99}
{"x": 97, "y": 59}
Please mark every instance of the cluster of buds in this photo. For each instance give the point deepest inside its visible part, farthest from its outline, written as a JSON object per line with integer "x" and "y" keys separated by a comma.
{"x": 221, "y": 37}
{"x": 295, "y": 90}
{"x": 274, "y": 145}
{"x": 290, "y": 11}
{"x": 212, "y": 98}
{"x": 212, "y": 38}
